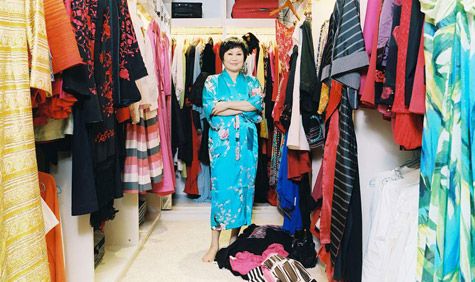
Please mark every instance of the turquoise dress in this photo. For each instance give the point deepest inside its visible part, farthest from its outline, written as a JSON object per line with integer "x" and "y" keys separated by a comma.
{"x": 233, "y": 149}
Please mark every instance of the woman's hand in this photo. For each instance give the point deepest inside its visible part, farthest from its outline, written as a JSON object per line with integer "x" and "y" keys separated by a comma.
{"x": 219, "y": 107}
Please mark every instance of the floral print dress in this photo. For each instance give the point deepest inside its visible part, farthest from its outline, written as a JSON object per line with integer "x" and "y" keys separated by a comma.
{"x": 446, "y": 242}
{"x": 232, "y": 149}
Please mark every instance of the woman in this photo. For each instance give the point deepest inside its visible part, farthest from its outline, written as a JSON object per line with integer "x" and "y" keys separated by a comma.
{"x": 232, "y": 104}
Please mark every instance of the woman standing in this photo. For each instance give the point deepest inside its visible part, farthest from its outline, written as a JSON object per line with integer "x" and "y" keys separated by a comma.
{"x": 232, "y": 104}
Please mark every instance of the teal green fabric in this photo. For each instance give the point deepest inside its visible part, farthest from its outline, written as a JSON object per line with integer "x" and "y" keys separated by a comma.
{"x": 233, "y": 149}
{"x": 446, "y": 243}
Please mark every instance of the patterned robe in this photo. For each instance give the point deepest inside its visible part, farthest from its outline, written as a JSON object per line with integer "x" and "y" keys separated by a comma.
{"x": 233, "y": 149}
{"x": 446, "y": 244}
{"x": 24, "y": 63}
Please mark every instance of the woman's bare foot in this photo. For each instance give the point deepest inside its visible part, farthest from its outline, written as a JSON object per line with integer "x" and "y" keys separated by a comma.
{"x": 210, "y": 254}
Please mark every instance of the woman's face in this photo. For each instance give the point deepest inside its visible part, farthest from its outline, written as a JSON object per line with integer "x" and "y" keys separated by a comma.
{"x": 234, "y": 59}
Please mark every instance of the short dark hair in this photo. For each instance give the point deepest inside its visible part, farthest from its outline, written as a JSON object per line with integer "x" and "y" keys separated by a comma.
{"x": 231, "y": 43}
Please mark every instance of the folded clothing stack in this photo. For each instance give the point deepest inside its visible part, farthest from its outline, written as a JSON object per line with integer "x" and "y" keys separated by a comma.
{"x": 254, "y": 9}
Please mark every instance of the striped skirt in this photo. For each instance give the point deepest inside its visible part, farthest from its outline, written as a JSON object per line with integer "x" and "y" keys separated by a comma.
{"x": 143, "y": 163}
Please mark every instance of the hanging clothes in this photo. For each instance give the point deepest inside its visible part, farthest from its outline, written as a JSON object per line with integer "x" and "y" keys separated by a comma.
{"x": 143, "y": 165}
{"x": 209, "y": 58}
{"x": 24, "y": 64}
{"x": 342, "y": 60}
{"x": 446, "y": 205}
{"x": 392, "y": 241}
{"x": 114, "y": 63}
{"x": 297, "y": 139}
{"x": 407, "y": 127}
{"x": 162, "y": 62}
{"x": 284, "y": 46}
{"x": 177, "y": 71}
{"x": 218, "y": 62}
{"x": 61, "y": 40}
{"x": 54, "y": 238}
{"x": 312, "y": 123}
{"x": 344, "y": 53}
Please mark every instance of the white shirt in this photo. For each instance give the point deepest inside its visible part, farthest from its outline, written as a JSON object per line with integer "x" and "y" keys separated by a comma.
{"x": 148, "y": 86}
{"x": 392, "y": 247}
{"x": 297, "y": 139}
{"x": 49, "y": 217}
{"x": 177, "y": 70}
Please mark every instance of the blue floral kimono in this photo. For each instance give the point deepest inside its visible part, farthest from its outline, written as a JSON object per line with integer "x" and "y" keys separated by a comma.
{"x": 233, "y": 149}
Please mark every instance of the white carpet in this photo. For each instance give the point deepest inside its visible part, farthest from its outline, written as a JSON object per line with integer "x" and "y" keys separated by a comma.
{"x": 174, "y": 250}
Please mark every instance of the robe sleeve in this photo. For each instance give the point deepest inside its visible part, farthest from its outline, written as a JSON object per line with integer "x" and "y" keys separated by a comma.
{"x": 40, "y": 68}
{"x": 256, "y": 99}
{"x": 210, "y": 100}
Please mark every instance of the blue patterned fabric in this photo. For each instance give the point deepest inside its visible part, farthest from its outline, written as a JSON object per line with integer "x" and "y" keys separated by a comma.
{"x": 233, "y": 149}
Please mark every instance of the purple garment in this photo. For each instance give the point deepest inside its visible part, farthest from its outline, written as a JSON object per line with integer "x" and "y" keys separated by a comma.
{"x": 245, "y": 261}
{"x": 385, "y": 23}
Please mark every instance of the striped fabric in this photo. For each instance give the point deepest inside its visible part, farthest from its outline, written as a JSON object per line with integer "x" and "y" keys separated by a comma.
{"x": 256, "y": 275}
{"x": 287, "y": 270}
{"x": 346, "y": 172}
{"x": 143, "y": 164}
{"x": 24, "y": 63}
{"x": 345, "y": 52}
{"x": 277, "y": 142}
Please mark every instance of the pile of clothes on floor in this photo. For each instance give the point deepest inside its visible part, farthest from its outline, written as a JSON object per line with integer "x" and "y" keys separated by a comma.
{"x": 269, "y": 254}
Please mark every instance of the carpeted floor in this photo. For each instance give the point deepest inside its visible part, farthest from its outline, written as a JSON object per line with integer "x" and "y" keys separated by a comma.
{"x": 174, "y": 250}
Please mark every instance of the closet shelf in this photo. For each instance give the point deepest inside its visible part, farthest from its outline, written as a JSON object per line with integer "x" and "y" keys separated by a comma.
{"x": 249, "y": 23}
{"x": 226, "y": 23}
{"x": 193, "y": 23}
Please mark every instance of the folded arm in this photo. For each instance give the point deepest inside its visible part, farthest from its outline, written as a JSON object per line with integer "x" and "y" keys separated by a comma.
{"x": 232, "y": 108}
{"x": 228, "y": 112}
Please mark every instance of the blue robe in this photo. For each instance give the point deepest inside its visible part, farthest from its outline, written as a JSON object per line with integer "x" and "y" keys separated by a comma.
{"x": 233, "y": 149}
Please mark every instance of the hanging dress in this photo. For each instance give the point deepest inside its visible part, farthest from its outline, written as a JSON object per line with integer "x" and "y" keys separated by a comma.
{"x": 446, "y": 245}
{"x": 233, "y": 149}
{"x": 24, "y": 63}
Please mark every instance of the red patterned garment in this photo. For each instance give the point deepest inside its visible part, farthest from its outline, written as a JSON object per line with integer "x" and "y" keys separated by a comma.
{"x": 108, "y": 46}
{"x": 407, "y": 127}
{"x": 284, "y": 43}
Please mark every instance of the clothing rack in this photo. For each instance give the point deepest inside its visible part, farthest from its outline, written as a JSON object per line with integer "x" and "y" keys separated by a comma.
{"x": 202, "y": 31}
{"x": 263, "y": 33}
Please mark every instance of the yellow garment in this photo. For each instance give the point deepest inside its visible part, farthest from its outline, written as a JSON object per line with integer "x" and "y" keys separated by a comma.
{"x": 53, "y": 130}
{"x": 23, "y": 255}
{"x": 263, "y": 133}
{"x": 182, "y": 96}
{"x": 324, "y": 97}
{"x": 260, "y": 68}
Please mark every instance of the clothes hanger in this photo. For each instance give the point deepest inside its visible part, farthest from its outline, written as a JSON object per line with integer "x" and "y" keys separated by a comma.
{"x": 287, "y": 4}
